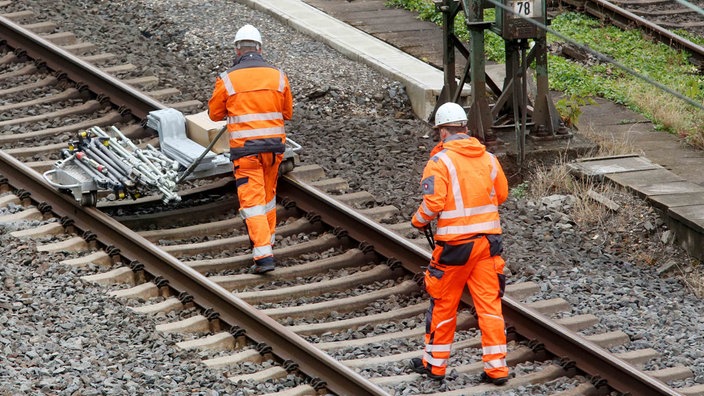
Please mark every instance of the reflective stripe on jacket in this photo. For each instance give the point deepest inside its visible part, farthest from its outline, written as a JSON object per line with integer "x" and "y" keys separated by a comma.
{"x": 463, "y": 186}
{"x": 255, "y": 99}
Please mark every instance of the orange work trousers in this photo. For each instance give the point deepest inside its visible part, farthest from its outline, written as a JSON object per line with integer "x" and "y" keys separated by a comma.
{"x": 453, "y": 266}
{"x": 256, "y": 177}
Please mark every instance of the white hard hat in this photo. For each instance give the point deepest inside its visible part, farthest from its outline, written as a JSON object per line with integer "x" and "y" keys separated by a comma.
{"x": 450, "y": 113}
{"x": 248, "y": 33}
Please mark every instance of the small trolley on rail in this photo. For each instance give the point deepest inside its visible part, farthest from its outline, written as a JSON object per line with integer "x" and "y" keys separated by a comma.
{"x": 107, "y": 162}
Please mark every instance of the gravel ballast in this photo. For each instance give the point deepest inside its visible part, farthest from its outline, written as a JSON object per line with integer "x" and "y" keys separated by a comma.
{"x": 60, "y": 335}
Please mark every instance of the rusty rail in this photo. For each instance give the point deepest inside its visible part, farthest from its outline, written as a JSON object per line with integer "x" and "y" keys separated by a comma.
{"x": 78, "y": 70}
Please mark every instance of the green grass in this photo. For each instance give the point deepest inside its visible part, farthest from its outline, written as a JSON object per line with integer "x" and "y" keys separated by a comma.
{"x": 654, "y": 60}
{"x": 651, "y": 59}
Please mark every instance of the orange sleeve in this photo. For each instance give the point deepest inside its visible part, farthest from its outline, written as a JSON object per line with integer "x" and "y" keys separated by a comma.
{"x": 435, "y": 198}
{"x": 217, "y": 105}
{"x": 500, "y": 184}
{"x": 434, "y": 185}
{"x": 288, "y": 101}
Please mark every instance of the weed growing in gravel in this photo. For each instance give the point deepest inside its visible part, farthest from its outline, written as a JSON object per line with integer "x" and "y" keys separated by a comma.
{"x": 557, "y": 179}
{"x": 520, "y": 190}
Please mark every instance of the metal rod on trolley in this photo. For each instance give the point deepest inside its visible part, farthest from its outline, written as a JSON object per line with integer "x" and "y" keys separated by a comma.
{"x": 206, "y": 151}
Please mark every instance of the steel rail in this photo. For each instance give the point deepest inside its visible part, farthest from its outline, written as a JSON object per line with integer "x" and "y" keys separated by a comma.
{"x": 207, "y": 294}
{"x": 556, "y": 338}
{"x": 76, "y": 69}
{"x": 606, "y": 10}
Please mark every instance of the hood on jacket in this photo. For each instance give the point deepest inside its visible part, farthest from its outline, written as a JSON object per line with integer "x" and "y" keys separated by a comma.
{"x": 464, "y": 144}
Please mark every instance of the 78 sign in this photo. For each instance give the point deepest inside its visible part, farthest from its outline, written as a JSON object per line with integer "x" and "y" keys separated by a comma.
{"x": 526, "y": 8}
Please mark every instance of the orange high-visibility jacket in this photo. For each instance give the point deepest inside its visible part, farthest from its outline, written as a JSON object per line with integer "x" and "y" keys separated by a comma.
{"x": 463, "y": 186}
{"x": 256, "y": 99}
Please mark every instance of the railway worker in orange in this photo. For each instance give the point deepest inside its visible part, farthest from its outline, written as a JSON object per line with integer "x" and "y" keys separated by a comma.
{"x": 463, "y": 186}
{"x": 255, "y": 99}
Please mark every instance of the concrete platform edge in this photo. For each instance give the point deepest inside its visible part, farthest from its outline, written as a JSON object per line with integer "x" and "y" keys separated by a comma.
{"x": 685, "y": 219}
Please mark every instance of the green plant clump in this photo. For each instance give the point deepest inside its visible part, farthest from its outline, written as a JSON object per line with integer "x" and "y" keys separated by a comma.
{"x": 570, "y": 108}
{"x": 655, "y": 61}
{"x": 521, "y": 190}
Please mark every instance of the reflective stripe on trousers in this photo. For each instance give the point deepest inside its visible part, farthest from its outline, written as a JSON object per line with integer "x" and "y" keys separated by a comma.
{"x": 445, "y": 284}
{"x": 256, "y": 177}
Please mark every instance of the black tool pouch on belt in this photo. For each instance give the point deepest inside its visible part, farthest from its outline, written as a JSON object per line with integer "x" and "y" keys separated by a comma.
{"x": 502, "y": 284}
{"x": 496, "y": 245}
{"x": 455, "y": 254}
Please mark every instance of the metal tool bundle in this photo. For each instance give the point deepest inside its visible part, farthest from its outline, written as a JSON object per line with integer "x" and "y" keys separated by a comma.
{"x": 101, "y": 161}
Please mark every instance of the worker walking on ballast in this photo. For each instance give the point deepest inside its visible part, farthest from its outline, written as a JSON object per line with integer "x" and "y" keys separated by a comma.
{"x": 255, "y": 99}
{"x": 463, "y": 186}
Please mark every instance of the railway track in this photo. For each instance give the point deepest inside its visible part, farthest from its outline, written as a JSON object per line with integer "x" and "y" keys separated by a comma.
{"x": 660, "y": 19}
{"x": 326, "y": 249}
{"x": 331, "y": 264}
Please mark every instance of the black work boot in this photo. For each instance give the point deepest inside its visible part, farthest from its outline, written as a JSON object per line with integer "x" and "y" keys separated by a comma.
{"x": 417, "y": 365}
{"x": 496, "y": 381}
{"x": 263, "y": 266}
